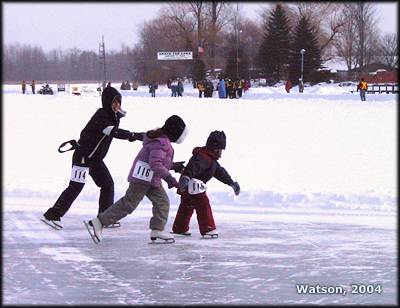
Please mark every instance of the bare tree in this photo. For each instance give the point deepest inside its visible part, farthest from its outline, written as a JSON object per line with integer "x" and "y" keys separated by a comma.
{"x": 358, "y": 41}
{"x": 388, "y": 50}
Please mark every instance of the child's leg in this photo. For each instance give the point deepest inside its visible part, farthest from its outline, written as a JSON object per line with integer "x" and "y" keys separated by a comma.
{"x": 205, "y": 217}
{"x": 160, "y": 201}
{"x": 185, "y": 212}
{"x": 124, "y": 206}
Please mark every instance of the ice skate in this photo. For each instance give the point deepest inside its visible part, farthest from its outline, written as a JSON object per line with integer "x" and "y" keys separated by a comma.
{"x": 210, "y": 234}
{"x": 161, "y": 237}
{"x": 94, "y": 228}
{"x": 55, "y": 224}
{"x": 116, "y": 224}
{"x": 186, "y": 233}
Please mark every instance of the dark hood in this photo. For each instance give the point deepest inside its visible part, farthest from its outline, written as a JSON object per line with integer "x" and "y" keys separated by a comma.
{"x": 107, "y": 98}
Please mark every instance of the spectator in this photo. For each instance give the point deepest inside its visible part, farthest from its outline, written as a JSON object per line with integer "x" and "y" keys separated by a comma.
{"x": 152, "y": 88}
{"x": 221, "y": 88}
{"x": 135, "y": 85}
{"x": 179, "y": 88}
{"x": 174, "y": 85}
{"x": 363, "y": 87}
{"x": 201, "y": 88}
{"x": 240, "y": 85}
{"x": 288, "y": 86}
{"x": 23, "y": 86}
{"x": 33, "y": 84}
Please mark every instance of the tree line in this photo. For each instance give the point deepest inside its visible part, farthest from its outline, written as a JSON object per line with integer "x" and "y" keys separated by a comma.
{"x": 224, "y": 43}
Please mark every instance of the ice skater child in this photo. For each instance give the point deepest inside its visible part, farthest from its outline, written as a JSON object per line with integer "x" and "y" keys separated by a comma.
{"x": 151, "y": 164}
{"x": 201, "y": 167}
{"x": 88, "y": 158}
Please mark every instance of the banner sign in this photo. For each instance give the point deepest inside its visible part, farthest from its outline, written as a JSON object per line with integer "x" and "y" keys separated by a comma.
{"x": 174, "y": 55}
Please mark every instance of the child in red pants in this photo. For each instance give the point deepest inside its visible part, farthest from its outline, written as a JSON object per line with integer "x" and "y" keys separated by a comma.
{"x": 201, "y": 167}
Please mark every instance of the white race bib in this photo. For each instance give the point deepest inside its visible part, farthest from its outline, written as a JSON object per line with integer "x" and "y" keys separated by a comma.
{"x": 196, "y": 186}
{"x": 79, "y": 174}
{"x": 142, "y": 171}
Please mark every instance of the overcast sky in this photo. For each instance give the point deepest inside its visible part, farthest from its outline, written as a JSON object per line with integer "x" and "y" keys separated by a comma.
{"x": 81, "y": 25}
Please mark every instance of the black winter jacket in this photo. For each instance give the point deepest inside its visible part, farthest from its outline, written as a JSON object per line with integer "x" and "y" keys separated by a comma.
{"x": 203, "y": 165}
{"x": 95, "y": 139}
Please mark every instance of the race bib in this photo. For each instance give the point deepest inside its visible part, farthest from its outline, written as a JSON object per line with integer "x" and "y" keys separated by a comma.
{"x": 196, "y": 186}
{"x": 142, "y": 171}
{"x": 79, "y": 174}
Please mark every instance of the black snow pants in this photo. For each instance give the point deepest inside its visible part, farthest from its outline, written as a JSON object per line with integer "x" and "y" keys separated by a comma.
{"x": 101, "y": 176}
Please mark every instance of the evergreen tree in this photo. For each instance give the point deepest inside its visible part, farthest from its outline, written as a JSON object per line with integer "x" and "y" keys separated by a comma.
{"x": 273, "y": 56}
{"x": 305, "y": 37}
{"x": 237, "y": 62}
{"x": 198, "y": 69}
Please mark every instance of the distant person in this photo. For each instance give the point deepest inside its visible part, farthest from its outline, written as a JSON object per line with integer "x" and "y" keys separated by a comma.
{"x": 33, "y": 84}
{"x": 240, "y": 85}
{"x": 174, "y": 85}
{"x": 221, "y": 88}
{"x": 151, "y": 165}
{"x": 362, "y": 87}
{"x": 135, "y": 85}
{"x": 23, "y": 85}
{"x": 89, "y": 153}
{"x": 179, "y": 88}
{"x": 152, "y": 88}
{"x": 201, "y": 88}
{"x": 201, "y": 168}
{"x": 288, "y": 86}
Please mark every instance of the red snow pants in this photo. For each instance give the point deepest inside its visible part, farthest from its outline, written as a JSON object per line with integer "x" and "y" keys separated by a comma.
{"x": 189, "y": 203}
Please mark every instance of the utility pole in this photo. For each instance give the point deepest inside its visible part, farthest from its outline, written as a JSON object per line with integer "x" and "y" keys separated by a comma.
{"x": 102, "y": 57}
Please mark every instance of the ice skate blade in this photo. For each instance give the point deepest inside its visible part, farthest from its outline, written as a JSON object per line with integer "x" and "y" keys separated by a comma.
{"x": 114, "y": 225}
{"x": 51, "y": 224}
{"x": 182, "y": 234}
{"x": 92, "y": 235}
{"x": 209, "y": 236}
{"x": 157, "y": 240}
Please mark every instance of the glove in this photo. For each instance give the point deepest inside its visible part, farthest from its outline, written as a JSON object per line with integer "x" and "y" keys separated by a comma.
{"x": 178, "y": 166}
{"x": 135, "y": 136}
{"x": 171, "y": 182}
{"x": 236, "y": 188}
{"x": 183, "y": 183}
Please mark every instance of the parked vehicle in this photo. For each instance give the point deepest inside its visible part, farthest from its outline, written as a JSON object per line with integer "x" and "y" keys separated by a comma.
{"x": 46, "y": 90}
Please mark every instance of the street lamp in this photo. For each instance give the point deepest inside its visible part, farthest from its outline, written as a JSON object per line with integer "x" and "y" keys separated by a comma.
{"x": 302, "y": 51}
{"x": 237, "y": 53}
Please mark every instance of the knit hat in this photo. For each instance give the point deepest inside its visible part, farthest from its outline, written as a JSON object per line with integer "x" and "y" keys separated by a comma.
{"x": 175, "y": 129}
{"x": 216, "y": 140}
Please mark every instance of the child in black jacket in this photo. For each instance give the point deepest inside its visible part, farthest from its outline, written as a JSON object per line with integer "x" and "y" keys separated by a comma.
{"x": 89, "y": 152}
{"x": 201, "y": 167}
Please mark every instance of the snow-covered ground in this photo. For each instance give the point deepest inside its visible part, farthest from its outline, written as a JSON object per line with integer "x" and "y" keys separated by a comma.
{"x": 318, "y": 204}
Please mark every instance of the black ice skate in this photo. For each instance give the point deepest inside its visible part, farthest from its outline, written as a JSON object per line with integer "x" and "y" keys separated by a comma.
{"x": 55, "y": 224}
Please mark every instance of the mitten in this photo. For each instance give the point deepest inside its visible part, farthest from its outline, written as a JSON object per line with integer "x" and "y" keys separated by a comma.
{"x": 171, "y": 181}
{"x": 236, "y": 188}
{"x": 135, "y": 136}
{"x": 183, "y": 183}
{"x": 178, "y": 166}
